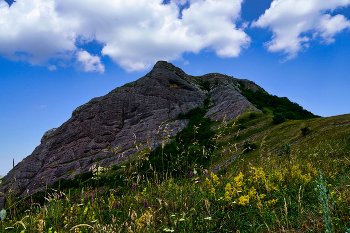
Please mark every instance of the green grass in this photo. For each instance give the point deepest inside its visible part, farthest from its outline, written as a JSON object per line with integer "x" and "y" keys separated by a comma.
{"x": 263, "y": 190}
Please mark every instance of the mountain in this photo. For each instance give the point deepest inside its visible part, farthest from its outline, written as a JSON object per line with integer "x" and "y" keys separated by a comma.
{"x": 135, "y": 113}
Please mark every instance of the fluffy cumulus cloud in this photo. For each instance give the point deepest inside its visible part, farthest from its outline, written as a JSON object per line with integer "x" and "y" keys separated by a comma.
{"x": 292, "y": 20}
{"x": 134, "y": 33}
{"x": 89, "y": 62}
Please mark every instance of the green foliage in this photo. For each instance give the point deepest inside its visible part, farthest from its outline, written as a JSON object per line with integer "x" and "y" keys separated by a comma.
{"x": 253, "y": 115}
{"x": 131, "y": 84}
{"x": 207, "y": 101}
{"x": 278, "y": 118}
{"x": 182, "y": 116}
{"x": 241, "y": 84}
{"x": 285, "y": 149}
{"x": 281, "y": 105}
{"x": 242, "y": 126}
{"x": 257, "y": 192}
{"x": 193, "y": 145}
{"x": 216, "y": 82}
{"x": 305, "y": 131}
{"x": 324, "y": 198}
{"x": 206, "y": 85}
{"x": 249, "y": 146}
{"x": 65, "y": 184}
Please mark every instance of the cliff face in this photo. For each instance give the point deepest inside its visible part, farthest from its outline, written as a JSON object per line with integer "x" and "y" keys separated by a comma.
{"x": 128, "y": 115}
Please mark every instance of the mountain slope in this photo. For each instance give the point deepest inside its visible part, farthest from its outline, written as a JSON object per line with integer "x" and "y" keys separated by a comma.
{"x": 266, "y": 180}
{"x": 133, "y": 113}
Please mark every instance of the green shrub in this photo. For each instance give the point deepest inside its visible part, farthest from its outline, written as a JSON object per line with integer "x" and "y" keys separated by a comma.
{"x": 206, "y": 85}
{"x": 207, "y": 101}
{"x": 182, "y": 116}
{"x": 304, "y": 131}
{"x": 242, "y": 126}
{"x": 278, "y": 118}
{"x": 285, "y": 149}
{"x": 252, "y": 115}
{"x": 291, "y": 115}
{"x": 249, "y": 146}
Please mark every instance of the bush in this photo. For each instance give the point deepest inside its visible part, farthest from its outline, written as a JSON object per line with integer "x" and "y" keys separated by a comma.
{"x": 252, "y": 115}
{"x": 278, "y": 118}
{"x": 285, "y": 149}
{"x": 304, "y": 131}
{"x": 182, "y": 116}
{"x": 206, "y": 85}
{"x": 207, "y": 101}
{"x": 249, "y": 146}
{"x": 242, "y": 126}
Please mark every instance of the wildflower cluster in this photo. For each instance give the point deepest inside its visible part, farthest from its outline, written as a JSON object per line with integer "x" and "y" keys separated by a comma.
{"x": 145, "y": 220}
{"x": 259, "y": 187}
{"x": 212, "y": 183}
{"x": 232, "y": 189}
{"x": 297, "y": 176}
{"x": 236, "y": 189}
{"x": 97, "y": 172}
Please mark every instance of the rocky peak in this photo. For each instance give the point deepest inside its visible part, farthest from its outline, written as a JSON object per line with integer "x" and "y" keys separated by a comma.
{"x": 128, "y": 115}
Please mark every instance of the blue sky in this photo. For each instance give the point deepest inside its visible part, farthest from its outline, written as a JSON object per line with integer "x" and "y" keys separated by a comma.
{"x": 56, "y": 55}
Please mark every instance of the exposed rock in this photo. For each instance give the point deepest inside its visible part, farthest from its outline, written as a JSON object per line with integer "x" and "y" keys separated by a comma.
{"x": 138, "y": 112}
{"x": 48, "y": 134}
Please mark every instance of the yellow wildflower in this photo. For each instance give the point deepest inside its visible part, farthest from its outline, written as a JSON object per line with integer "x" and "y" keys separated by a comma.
{"x": 212, "y": 183}
{"x": 238, "y": 181}
{"x": 146, "y": 218}
{"x": 272, "y": 202}
{"x": 215, "y": 179}
{"x": 252, "y": 193}
{"x": 257, "y": 176}
{"x": 228, "y": 192}
{"x": 243, "y": 200}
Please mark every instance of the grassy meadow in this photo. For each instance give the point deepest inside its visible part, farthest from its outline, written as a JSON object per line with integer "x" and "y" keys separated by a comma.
{"x": 250, "y": 175}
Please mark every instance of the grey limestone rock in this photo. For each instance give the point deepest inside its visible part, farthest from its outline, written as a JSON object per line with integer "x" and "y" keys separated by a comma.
{"x": 138, "y": 112}
{"x": 48, "y": 134}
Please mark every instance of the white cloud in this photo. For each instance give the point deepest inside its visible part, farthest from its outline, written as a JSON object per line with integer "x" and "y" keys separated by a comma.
{"x": 329, "y": 26}
{"x": 52, "y": 67}
{"x": 134, "y": 33}
{"x": 89, "y": 62}
{"x": 291, "y": 20}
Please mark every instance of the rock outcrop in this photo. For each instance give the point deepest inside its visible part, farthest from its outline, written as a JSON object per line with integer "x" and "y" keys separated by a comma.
{"x": 128, "y": 115}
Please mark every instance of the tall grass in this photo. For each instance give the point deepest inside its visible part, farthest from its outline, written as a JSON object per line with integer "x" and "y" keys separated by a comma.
{"x": 259, "y": 191}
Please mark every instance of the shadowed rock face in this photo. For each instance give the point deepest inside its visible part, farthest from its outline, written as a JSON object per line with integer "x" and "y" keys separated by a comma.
{"x": 135, "y": 113}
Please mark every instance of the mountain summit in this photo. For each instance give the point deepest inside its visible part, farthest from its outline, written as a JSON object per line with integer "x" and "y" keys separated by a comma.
{"x": 135, "y": 113}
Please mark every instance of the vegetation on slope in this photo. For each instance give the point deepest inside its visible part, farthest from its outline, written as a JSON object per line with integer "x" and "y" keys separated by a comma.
{"x": 282, "y": 107}
{"x": 257, "y": 177}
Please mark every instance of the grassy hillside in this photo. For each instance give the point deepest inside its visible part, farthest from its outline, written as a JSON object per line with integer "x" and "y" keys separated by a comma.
{"x": 252, "y": 175}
